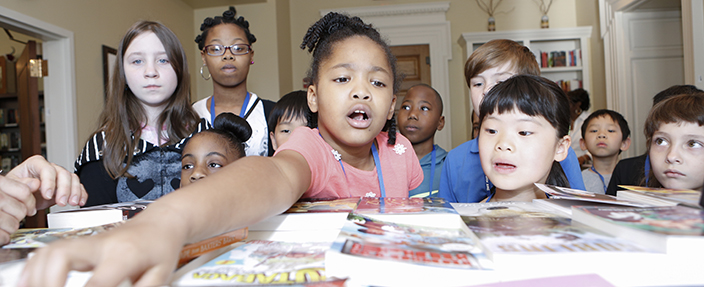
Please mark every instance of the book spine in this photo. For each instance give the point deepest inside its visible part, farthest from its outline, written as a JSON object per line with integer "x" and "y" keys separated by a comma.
{"x": 194, "y": 250}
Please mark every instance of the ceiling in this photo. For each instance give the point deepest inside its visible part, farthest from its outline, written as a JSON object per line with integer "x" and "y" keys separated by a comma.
{"x": 198, "y": 4}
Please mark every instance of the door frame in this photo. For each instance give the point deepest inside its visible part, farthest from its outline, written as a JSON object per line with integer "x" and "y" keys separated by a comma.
{"x": 59, "y": 86}
{"x": 415, "y": 24}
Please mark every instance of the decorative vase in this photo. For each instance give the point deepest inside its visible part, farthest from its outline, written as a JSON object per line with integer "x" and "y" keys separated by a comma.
{"x": 492, "y": 24}
{"x": 544, "y": 22}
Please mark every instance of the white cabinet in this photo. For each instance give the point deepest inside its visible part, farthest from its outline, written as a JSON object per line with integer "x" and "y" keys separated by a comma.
{"x": 544, "y": 40}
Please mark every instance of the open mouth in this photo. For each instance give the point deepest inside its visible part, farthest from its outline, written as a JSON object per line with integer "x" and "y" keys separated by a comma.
{"x": 503, "y": 167}
{"x": 358, "y": 115}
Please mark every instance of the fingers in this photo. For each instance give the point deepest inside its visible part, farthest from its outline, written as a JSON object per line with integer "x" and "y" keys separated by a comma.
{"x": 16, "y": 198}
{"x": 50, "y": 265}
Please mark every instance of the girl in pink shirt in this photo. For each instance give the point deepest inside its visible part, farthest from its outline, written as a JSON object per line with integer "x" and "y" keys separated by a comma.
{"x": 354, "y": 81}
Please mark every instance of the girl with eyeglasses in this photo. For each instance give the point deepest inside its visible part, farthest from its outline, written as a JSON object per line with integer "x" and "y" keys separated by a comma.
{"x": 226, "y": 50}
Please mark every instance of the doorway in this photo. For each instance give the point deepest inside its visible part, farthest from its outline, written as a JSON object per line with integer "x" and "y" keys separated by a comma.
{"x": 413, "y": 62}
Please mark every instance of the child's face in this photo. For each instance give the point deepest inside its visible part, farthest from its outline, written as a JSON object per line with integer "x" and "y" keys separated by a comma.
{"x": 148, "y": 71}
{"x": 283, "y": 130}
{"x": 204, "y": 154}
{"x": 603, "y": 137}
{"x": 419, "y": 116}
{"x": 517, "y": 150}
{"x": 482, "y": 83}
{"x": 227, "y": 70}
{"x": 354, "y": 94}
{"x": 677, "y": 155}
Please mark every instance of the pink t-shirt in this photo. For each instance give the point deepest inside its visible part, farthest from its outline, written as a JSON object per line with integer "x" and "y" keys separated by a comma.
{"x": 399, "y": 165}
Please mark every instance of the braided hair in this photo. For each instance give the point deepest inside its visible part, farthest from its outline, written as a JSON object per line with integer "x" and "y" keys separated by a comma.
{"x": 334, "y": 27}
{"x": 228, "y": 17}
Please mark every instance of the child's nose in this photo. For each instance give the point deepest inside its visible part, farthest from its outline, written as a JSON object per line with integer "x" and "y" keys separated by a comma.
{"x": 673, "y": 155}
{"x": 150, "y": 71}
{"x": 504, "y": 144}
{"x": 360, "y": 91}
{"x": 197, "y": 175}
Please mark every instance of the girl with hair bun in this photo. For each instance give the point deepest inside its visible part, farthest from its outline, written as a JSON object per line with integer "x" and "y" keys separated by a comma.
{"x": 225, "y": 46}
{"x": 212, "y": 149}
{"x": 354, "y": 82}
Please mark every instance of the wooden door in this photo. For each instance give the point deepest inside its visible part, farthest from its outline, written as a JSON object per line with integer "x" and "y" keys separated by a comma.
{"x": 30, "y": 131}
{"x": 413, "y": 62}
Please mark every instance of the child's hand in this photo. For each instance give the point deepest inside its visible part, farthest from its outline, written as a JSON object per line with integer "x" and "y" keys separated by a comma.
{"x": 49, "y": 183}
{"x": 126, "y": 252}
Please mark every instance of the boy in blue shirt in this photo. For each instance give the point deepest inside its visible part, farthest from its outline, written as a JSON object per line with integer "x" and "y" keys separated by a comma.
{"x": 419, "y": 118}
{"x": 462, "y": 178}
{"x": 605, "y": 134}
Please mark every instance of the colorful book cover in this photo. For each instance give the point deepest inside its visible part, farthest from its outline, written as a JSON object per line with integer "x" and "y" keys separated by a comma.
{"x": 262, "y": 262}
{"x": 685, "y": 196}
{"x": 557, "y": 192}
{"x": 364, "y": 237}
{"x": 322, "y": 205}
{"x": 374, "y": 205}
{"x": 666, "y": 220}
{"x": 34, "y": 238}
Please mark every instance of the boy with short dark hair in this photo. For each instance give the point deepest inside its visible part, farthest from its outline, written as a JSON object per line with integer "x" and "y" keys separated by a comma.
{"x": 419, "y": 118}
{"x": 462, "y": 178}
{"x": 290, "y": 112}
{"x": 605, "y": 134}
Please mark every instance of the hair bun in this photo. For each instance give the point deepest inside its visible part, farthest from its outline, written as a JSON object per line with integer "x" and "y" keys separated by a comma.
{"x": 230, "y": 13}
{"x": 233, "y": 124}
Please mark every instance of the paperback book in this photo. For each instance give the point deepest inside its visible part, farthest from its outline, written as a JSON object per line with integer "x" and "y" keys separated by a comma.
{"x": 392, "y": 252}
{"x": 261, "y": 262}
{"x": 557, "y": 192}
{"x": 96, "y": 215}
{"x": 660, "y": 196}
{"x": 522, "y": 239}
{"x": 676, "y": 230}
{"x": 428, "y": 211}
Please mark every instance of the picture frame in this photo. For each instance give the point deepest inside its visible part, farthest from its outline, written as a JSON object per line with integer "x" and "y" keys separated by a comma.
{"x": 109, "y": 58}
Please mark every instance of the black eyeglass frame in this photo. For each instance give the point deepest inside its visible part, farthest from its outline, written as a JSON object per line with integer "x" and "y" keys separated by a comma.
{"x": 225, "y": 48}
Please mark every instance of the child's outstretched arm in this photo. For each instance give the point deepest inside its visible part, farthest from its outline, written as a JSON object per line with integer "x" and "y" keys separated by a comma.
{"x": 146, "y": 248}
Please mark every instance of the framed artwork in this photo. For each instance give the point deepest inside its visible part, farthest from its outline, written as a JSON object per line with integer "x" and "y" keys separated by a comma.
{"x": 109, "y": 57}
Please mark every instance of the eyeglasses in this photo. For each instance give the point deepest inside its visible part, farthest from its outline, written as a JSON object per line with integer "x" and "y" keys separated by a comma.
{"x": 219, "y": 50}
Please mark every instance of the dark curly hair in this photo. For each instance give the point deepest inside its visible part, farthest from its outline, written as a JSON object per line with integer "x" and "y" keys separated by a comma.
{"x": 228, "y": 17}
{"x": 335, "y": 27}
{"x": 235, "y": 130}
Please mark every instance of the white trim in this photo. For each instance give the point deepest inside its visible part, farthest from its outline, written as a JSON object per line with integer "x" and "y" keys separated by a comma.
{"x": 417, "y": 24}
{"x": 59, "y": 86}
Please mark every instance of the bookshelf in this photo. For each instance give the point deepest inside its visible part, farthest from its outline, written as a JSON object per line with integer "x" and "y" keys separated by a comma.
{"x": 545, "y": 40}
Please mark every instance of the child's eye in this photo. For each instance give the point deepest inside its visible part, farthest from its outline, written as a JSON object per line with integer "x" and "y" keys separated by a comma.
{"x": 612, "y": 131}
{"x": 163, "y": 61}
{"x": 491, "y": 131}
{"x": 694, "y": 144}
{"x": 187, "y": 166}
{"x": 214, "y": 165}
{"x": 406, "y": 107}
{"x": 424, "y": 108}
{"x": 525, "y": 133}
{"x": 592, "y": 131}
{"x": 477, "y": 84}
{"x": 660, "y": 141}
{"x": 378, "y": 84}
{"x": 285, "y": 131}
{"x": 137, "y": 62}
{"x": 341, "y": 80}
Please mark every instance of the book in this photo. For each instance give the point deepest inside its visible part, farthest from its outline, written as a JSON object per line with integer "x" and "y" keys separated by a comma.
{"x": 557, "y": 192}
{"x": 96, "y": 215}
{"x": 523, "y": 239}
{"x": 427, "y": 211}
{"x": 660, "y": 196}
{"x": 579, "y": 280}
{"x": 393, "y": 253}
{"x": 563, "y": 206}
{"x": 199, "y": 248}
{"x": 676, "y": 230}
{"x": 262, "y": 262}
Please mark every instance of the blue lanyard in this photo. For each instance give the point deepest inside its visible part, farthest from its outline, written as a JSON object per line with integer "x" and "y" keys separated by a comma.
{"x": 377, "y": 162}
{"x": 243, "y": 110}
{"x": 432, "y": 171}
{"x": 600, "y": 176}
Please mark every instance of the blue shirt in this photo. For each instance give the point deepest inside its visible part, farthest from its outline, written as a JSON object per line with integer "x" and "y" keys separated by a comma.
{"x": 423, "y": 190}
{"x": 463, "y": 179}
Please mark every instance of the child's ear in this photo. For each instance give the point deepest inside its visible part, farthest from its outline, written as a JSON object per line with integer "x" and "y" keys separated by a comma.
{"x": 626, "y": 144}
{"x": 441, "y": 123}
{"x": 392, "y": 109}
{"x": 563, "y": 148}
{"x": 274, "y": 145}
{"x": 582, "y": 144}
{"x": 312, "y": 98}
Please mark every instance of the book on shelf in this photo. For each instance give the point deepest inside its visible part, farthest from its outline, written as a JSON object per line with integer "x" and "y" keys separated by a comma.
{"x": 262, "y": 262}
{"x": 96, "y": 215}
{"x": 675, "y": 230}
{"x": 557, "y": 192}
{"x": 660, "y": 196}
{"x": 392, "y": 254}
